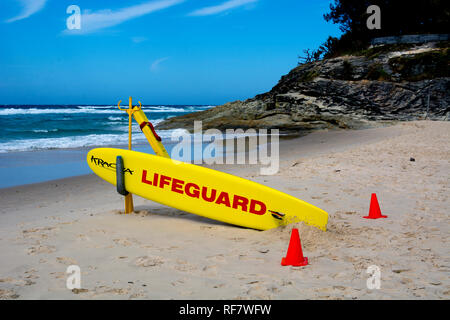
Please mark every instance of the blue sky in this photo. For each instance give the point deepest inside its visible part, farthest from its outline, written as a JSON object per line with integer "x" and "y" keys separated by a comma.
{"x": 158, "y": 51}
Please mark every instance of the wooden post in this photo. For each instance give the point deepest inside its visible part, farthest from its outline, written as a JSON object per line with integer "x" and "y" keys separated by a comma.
{"x": 129, "y": 207}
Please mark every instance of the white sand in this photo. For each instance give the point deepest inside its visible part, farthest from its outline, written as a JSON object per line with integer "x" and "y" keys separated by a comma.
{"x": 162, "y": 253}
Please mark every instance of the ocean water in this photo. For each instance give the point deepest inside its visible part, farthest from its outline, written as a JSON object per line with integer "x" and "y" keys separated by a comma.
{"x": 30, "y": 128}
{"x": 43, "y": 143}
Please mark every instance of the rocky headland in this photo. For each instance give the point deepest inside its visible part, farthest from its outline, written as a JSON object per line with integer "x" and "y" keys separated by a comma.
{"x": 385, "y": 83}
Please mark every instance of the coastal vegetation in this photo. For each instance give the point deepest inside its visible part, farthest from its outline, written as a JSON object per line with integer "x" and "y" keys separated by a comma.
{"x": 398, "y": 17}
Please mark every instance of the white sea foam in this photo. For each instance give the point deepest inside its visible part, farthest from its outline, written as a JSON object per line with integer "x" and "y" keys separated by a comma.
{"x": 65, "y": 142}
{"x": 116, "y": 118}
{"x": 91, "y": 110}
{"x": 14, "y": 111}
{"x": 135, "y": 127}
{"x": 75, "y": 141}
{"x": 156, "y": 121}
{"x": 44, "y": 131}
{"x": 98, "y": 107}
{"x": 116, "y": 122}
{"x": 167, "y": 109}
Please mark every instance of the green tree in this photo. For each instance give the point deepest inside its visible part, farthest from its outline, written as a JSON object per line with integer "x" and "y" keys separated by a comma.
{"x": 398, "y": 17}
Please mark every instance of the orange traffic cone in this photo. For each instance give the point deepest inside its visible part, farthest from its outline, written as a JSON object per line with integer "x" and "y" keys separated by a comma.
{"x": 294, "y": 256}
{"x": 374, "y": 211}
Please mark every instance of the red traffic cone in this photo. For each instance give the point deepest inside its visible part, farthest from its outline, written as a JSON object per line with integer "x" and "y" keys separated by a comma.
{"x": 294, "y": 256}
{"x": 374, "y": 211}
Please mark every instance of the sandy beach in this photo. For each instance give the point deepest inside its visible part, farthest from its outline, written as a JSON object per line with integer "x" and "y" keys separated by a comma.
{"x": 162, "y": 253}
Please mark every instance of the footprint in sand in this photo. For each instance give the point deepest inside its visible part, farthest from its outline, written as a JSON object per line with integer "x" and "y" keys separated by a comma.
{"x": 210, "y": 270}
{"x": 7, "y": 294}
{"x": 78, "y": 291}
{"x": 83, "y": 237}
{"x": 100, "y": 231}
{"x": 38, "y": 233}
{"x": 138, "y": 295}
{"x": 31, "y": 274}
{"x": 259, "y": 292}
{"x": 184, "y": 266}
{"x": 186, "y": 293}
{"x": 59, "y": 275}
{"x": 207, "y": 228}
{"x": 66, "y": 261}
{"x": 216, "y": 258}
{"x": 40, "y": 249}
{"x": 117, "y": 291}
{"x": 146, "y": 261}
{"x": 16, "y": 282}
{"x": 178, "y": 282}
{"x": 126, "y": 242}
{"x": 244, "y": 257}
{"x": 237, "y": 239}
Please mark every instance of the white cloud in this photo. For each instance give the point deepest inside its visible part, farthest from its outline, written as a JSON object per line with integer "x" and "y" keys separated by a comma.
{"x": 156, "y": 64}
{"x": 29, "y": 7}
{"x": 228, "y": 5}
{"x": 94, "y": 21}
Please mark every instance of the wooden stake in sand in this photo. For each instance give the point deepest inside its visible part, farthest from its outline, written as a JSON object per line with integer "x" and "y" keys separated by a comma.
{"x": 153, "y": 139}
{"x": 129, "y": 207}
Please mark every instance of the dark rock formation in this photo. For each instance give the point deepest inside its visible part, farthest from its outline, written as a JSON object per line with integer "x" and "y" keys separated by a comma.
{"x": 346, "y": 92}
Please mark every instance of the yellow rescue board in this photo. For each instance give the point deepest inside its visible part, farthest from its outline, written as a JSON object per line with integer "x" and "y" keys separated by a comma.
{"x": 203, "y": 191}
{"x": 150, "y": 134}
